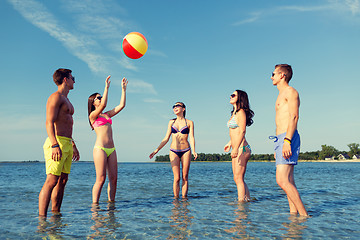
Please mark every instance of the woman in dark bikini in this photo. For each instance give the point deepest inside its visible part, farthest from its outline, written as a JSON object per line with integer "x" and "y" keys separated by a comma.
{"x": 104, "y": 152}
{"x": 180, "y": 150}
{"x": 241, "y": 116}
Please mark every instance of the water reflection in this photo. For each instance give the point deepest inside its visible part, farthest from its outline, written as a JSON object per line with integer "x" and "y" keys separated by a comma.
{"x": 180, "y": 220}
{"x": 294, "y": 227}
{"x": 241, "y": 221}
{"x": 105, "y": 224}
{"x": 52, "y": 228}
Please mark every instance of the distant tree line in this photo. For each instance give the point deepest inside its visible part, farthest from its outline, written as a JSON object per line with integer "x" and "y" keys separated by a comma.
{"x": 325, "y": 152}
{"x": 330, "y": 151}
{"x": 216, "y": 157}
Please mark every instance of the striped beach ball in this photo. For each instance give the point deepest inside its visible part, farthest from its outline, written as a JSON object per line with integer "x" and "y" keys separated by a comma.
{"x": 134, "y": 45}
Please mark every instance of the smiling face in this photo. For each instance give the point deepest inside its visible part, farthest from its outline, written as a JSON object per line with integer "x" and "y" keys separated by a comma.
{"x": 178, "y": 108}
{"x": 233, "y": 97}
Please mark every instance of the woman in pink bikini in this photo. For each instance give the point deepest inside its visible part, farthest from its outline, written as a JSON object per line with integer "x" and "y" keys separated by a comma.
{"x": 180, "y": 151}
{"x": 104, "y": 153}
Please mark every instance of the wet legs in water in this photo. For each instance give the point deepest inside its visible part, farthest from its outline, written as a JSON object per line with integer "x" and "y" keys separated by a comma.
{"x": 239, "y": 168}
{"x": 103, "y": 165}
{"x": 53, "y": 189}
{"x": 285, "y": 179}
{"x": 175, "y": 165}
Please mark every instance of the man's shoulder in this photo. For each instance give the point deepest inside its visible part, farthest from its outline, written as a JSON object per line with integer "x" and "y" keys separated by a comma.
{"x": 290, "y": 91}
{"x": 56, "y": 97}
{"x": 55, "y": 94}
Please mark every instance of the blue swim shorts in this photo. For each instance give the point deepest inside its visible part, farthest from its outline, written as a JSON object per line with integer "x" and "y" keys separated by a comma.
{"x": 295, "y": 149}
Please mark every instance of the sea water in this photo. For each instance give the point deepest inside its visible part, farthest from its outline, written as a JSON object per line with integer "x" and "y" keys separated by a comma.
{"x": 145, "y": 207}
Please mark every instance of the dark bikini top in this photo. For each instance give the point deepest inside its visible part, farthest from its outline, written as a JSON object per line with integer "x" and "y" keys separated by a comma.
{"x": 184, "y": 130}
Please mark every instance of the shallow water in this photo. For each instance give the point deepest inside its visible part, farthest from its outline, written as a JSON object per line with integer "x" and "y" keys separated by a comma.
{"x": 145, "y": 208}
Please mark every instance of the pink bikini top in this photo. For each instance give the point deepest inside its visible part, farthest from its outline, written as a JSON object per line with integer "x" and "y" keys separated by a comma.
{"x": 101, "y": 121}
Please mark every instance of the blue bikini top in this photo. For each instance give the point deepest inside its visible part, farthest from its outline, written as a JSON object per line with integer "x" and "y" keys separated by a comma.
{"x": 183, "y": 130}
{"x": 232, "y": 122}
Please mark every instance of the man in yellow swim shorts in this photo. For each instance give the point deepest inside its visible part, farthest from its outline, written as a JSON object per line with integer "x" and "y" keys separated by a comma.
{"x": 59, "y": 148}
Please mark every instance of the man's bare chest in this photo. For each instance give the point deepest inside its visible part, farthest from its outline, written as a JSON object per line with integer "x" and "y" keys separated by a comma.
{"x": 67, "y": 108}
{"x": 281, "y": 103}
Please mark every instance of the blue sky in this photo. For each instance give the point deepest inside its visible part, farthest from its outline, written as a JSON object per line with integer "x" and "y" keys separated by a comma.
{"x": 199, "y": 53}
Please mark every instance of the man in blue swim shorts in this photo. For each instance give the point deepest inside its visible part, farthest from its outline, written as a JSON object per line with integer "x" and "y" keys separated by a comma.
{"x": 287, "y": 141}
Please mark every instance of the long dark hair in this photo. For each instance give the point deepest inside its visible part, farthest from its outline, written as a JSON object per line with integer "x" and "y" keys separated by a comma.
{"x": 91, "y": 106}
{"x": 243, "y": 103}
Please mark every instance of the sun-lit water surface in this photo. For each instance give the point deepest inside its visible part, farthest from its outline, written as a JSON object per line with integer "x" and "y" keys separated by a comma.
{"x": 145, "y": 208}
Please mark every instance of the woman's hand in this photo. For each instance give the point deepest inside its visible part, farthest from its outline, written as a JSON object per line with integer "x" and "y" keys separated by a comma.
{"x": 195, "y": 155}
{"x": 107, "y": 81}
{"x": 153, "y": 154}
{"x": 124, "y": 83}
{"x": 227, "y": 147}
{"x": 234, "y": 153}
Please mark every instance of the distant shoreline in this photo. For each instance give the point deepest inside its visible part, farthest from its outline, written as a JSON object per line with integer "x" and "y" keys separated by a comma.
{"x": 273, "y": 161}
{"x": 326, "y": 161}
{"x": 346, "y": 160}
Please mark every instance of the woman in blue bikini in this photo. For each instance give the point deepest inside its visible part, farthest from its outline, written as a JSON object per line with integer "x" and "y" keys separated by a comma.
{"x": 241, "y": 116}
{"x": 104, "y": 153}
{"x": 180, "y": 150}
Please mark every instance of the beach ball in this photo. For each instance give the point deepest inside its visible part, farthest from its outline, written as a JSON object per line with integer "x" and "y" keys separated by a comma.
{"x": 134, "y": 45}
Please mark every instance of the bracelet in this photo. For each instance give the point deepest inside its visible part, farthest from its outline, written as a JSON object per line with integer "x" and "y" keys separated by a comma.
{"x": 55, "y": 146}
{"x": 288, "y": 140}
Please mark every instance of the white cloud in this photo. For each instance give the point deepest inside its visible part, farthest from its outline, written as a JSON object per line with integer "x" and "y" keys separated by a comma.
{"x": 140, "y": 86}
{"x": 253, "y": 18}
{"x": 354, "y": 6}
{"x": 153, "y": 100}
{"x": 305, "y": 8}
{"x": 125, "y": 62}
{"x": 157, "y": 53}
{"x": 83, "y": 41}
{"x": 136, "y": 86}
{"x": 102, "y": 27}
{"x": 90, "y": 6}
{"x": 334, "y": 5}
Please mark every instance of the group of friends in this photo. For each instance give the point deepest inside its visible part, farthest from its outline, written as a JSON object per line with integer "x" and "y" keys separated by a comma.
{"x": 60, "y": 149}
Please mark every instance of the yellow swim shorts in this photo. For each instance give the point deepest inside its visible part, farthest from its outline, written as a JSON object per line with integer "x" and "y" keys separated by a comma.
{"x": 64, "y": 165}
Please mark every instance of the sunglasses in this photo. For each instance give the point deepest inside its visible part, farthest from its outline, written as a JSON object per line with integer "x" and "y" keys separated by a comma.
{"x": 273, "y": 74}
{"x": 98, "y": 98}
{"x": 233, "y": 95}
{"x": 72, "y": 78}
{"x": 177, "y": 105}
